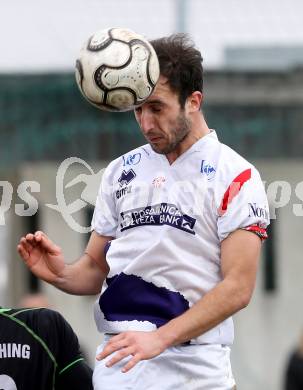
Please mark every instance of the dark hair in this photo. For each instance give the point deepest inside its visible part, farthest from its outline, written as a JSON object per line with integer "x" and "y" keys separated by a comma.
{"x": 181, "y": 63}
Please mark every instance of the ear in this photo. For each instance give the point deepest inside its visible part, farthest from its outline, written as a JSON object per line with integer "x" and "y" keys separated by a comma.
{"x": 193, "y": 102}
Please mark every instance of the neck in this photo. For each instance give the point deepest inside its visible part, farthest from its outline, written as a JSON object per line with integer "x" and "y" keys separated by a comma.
{"x": 198, "y": 130}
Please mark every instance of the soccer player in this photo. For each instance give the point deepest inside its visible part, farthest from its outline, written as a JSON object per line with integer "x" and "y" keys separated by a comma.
{"x": 40, "y": 351}
{"x": 176, "y": 237}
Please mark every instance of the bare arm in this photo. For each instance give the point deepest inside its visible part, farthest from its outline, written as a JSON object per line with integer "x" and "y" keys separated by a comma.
{"x": 239, "y": 260}
{"x": 46, "y": 261}
{"x": 86, "y": 275}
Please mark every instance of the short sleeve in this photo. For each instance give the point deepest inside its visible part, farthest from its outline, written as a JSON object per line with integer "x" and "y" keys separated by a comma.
{"x": 104, "y": 220}
{"x": 242, "y": 204}
{"x": 68, "y": 349}
{"x": 72, "y": 371}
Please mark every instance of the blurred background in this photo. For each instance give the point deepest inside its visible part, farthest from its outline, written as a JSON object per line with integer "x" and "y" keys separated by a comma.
{"x": 253, "y": 97}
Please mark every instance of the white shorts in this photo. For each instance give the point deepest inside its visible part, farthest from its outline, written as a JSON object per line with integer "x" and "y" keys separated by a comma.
{"x": 184, "y": 367}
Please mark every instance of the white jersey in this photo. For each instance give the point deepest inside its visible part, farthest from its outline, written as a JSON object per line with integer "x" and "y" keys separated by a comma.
{"x": 168, "y": 222}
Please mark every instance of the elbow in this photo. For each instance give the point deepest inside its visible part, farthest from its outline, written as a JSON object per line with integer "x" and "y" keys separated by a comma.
{"x": 243, "y": 303}
{"x": 241, "y": 292}
{"x": 244, "y": 298}
{"x": 240, "y": 295}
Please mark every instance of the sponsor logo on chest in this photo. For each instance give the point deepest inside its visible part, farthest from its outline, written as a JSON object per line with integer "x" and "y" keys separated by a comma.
{"x": 157, "y": 215}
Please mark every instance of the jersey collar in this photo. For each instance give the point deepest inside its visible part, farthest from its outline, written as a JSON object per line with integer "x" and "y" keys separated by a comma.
{"x": 197, "y": 146}
{"x": 3, "y": 310}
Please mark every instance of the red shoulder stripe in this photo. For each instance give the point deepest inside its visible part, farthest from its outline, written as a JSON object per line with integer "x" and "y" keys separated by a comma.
{"x": 233, "y": 190}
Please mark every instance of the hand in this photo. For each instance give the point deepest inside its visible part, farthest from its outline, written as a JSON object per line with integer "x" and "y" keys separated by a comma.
{"x": 42, "y": 256}
{"x": 141, "y": 345}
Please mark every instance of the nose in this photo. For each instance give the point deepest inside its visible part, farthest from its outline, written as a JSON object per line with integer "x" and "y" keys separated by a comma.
{"x": 146, "y": 121}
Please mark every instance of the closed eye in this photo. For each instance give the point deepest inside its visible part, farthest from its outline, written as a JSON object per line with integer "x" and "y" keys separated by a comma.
{"x": 155, "y": 109}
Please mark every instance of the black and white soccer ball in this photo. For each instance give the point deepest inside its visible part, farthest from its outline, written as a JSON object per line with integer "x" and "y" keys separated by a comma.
{"x": 117, "y": 69}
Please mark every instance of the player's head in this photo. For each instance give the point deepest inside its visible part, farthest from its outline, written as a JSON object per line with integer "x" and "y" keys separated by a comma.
{"x": 34, "y": 300}
{"x": 162, "y": 121}
{"x": 166, "y": 118}
{"x": 181, "y": 63}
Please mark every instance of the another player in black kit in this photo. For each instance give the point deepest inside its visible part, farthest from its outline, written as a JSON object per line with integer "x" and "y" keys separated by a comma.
{"x": 40, "y": 351}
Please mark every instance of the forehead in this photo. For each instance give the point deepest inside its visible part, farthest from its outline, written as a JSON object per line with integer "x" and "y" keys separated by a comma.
{"x": 162, "y": 91}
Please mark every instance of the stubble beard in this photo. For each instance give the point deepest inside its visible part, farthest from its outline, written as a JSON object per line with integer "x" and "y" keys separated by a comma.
{"x": 178, "y": 134}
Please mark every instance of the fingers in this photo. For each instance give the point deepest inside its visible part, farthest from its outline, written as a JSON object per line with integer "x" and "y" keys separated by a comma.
{"x": 136, "y": 359}
{"x": 114, "y": 344}
{"x": 119, "y": 356}
{"x": 23, "y": 252}
{"x": 25, "y": 247}
{"x": 123, "y": 348}
{"x": 31, "y": 241}
{"x": 46, "y": 243}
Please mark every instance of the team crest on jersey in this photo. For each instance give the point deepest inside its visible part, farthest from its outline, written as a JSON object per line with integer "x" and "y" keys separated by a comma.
{"x": 158, "y": 181}
{"x": 126, "y": 177}
{"x": 131, "y": 159}
{"x": 207, "y": 170}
